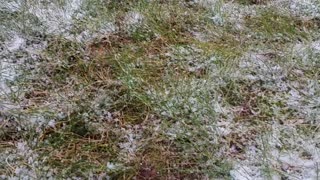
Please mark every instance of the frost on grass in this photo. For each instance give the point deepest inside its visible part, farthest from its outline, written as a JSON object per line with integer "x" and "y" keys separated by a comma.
{"x": 24, "y": 162}
{"x": 288, "y": 149}
{"x": 284, "y": 152}
{"x": 239, "y": 88}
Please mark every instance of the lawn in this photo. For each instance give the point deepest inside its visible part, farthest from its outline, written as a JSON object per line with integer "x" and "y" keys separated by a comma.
{"x": 146, "y": 89}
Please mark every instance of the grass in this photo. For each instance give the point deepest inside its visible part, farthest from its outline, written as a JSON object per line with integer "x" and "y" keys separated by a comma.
{"x": 279, "y": 27}
{"x": 152, "y": 100}
{"x": 122, "y": 66}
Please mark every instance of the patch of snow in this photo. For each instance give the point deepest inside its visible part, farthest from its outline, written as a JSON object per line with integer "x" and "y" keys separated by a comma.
{"x": 12, "y": 6}
{"x": 301, "y": 8}
{"x": 52, "y": 123}
{"x": 133, "y": 18}
{"x": 57, "y": 19}
{"x": 16, "y": 43}
{"x": 241, "y": 171}
{"x": 131, "y": 142}
{"x": 8, "y": 67}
